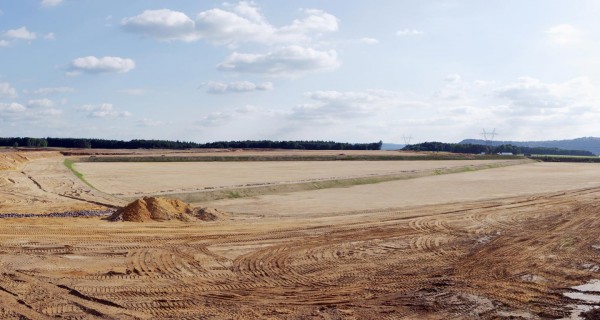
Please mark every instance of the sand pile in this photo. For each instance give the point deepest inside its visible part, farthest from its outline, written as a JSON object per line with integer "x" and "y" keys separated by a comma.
{"x": 209, "y": 214}
{"x": 154, "y": 209}
{"x": 163, "y": 209}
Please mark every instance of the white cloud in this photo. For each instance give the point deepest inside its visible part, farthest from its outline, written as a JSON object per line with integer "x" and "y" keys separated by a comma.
{"x": 287, "y": 61}
{"x": 409, "y": 32}
{"x": 212, "y": 120}
{"x": 145, "y": 122}
{"x": 234, "y": 24}
{"x": 245, "y": 23}
{"x": 530, "y": 95}
{"x": 335, "y": 105}
{"x": 50, "y": 112}
{"x": 315, "y": 21}
{"x": 48, "y": 91}
{"x": 226, "y": 27}
{"x": 20, "y": 34}
{"x": 50, "y": 36}
{"x": 4, "y": 44}
{"x": 41, "y": 103}
{"x": 50, "y": 3}
{"x": 236, "y": 86}
{"x": 91, "y": 64}
{"x": 564, "y": 34}
{"x": 133, "y": 91}
{"x": 7, "y": 91}
{"x": 12, "y": 107}
{"x": 370, "y": 41}
{"x": 163, "y": 24}
{"x": 453, "y": 78}
{"x": 105, "y": 110}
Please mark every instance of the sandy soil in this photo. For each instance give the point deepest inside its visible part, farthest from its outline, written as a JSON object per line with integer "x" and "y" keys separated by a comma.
{"x": 504, "y": 243}
{"x": 129, "y": 179}
{"x": 526, "y": 179}
{"x": 41, "y": 183}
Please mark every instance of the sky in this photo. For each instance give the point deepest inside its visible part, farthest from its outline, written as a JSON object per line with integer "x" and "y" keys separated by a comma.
{"x": 349, "y": 71}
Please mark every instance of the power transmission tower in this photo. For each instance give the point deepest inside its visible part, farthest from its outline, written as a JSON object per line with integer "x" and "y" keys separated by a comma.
{"x": 406, "y": 139}
{"x": 489, "y": 136}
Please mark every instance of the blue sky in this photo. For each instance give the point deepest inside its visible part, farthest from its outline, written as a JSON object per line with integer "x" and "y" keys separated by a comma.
{"x": 349, "y": 70}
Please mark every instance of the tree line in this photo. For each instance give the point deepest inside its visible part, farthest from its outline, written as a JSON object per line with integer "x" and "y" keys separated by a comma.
{"x": 167, "y": 144}
{"x": 487, "y": 149}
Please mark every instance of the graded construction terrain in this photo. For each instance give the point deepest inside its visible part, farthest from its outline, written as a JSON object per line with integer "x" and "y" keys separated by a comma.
{"x": 132, "y": 178}
{"x": 432, "y": 247}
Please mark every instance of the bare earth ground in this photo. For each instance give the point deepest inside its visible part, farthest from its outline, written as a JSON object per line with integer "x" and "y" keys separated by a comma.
{"x": 498, "y": 243}
{"x": 127, "y": 179}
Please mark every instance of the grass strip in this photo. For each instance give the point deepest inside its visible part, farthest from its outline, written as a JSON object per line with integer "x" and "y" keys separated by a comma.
{"x": 69, "y": 164}
{"x": 260, "y": 190}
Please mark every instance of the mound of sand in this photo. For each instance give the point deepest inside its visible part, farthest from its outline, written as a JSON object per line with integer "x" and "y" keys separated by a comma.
{"x": 163, "y": 209}
{"x": 209, "y": 214}
{"x": 154, "y": 209}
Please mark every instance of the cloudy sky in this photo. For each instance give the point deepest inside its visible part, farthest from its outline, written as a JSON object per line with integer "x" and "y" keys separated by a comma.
{"x": 357, "y": 71}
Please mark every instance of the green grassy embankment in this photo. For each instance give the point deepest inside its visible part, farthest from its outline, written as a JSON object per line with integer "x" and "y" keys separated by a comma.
{"x": 69, "y": 164}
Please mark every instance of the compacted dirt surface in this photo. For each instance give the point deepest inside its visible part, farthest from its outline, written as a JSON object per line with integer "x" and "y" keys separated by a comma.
{"x": 515, "y": 256}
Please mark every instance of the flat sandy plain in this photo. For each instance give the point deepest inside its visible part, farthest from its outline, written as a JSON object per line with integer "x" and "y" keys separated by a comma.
{"x": 508, "y": 240}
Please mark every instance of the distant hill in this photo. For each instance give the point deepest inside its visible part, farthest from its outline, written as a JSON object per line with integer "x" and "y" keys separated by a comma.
{"x": 392, "y": 146}
{"x": 591, "y": 144}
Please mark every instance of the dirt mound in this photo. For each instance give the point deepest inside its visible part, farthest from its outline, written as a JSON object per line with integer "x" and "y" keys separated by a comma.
{"x": 12, "y": 160}
{"x": 209, "y": 214}
{"x": 154, "y": 209}
{"x": 164, "y": 209}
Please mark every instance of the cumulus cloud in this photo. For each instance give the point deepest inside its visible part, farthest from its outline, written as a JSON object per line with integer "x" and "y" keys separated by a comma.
{"x": 50, "y": 36}
{"x": 213, "y": 119}
{"x": 245, "y": 23}
{"x": 331, "y": 105}
{"x": 163, "y": 24}
{"x": 53, "y": 90}
{"x": 4, "y": 43}
{"x": 368, "y": 41}
{"x": 235, "y": 23}
{"x": 286, "y": 61}
{"x": 315, "y": 20}
{"x": 145, "y": 122}
{"x": 94, "y": 65}
{"x": 12, "y": 107}
{"x": 409, "y": 32}
{"x": 50, "y": 3}
{"x": 40, "y": 103}
{"x": 564, "y": 34}
{"x": 236, "y": 86}
{"x": 20, "y": 34}
{"x": 7, "y": 91}
{"x": 453, "y": 78}
{"x": 133, "y": 91}
{"x": 105, "y": 110}
{"x": 534, "y": 96}
{"x": 51, "y": 112}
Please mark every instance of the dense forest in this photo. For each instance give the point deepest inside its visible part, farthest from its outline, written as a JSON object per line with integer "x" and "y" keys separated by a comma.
{"x": 490, "y": 149}
{"x": 591, "y": 144}
{"x": 165, "y": 144}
